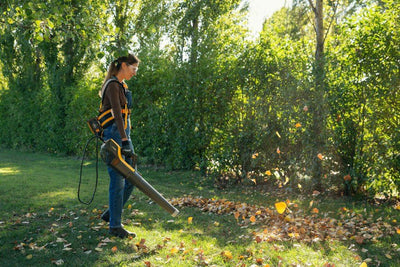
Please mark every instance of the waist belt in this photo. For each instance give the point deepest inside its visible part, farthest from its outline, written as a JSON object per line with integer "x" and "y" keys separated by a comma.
{"x": 106, "y": 118}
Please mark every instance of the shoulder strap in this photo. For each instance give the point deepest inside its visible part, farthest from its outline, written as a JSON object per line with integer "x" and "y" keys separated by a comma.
{"x": 103, "y": 89}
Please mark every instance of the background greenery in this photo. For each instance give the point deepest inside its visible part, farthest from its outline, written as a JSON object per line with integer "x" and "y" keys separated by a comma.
{"x": 272, "y": 109}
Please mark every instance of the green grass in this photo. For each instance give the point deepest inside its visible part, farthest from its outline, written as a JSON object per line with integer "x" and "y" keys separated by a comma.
{"x": 43, "y": 224}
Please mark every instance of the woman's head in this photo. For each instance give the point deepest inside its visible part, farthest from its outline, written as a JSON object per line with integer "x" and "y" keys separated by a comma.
{"x": 123, "y": 67}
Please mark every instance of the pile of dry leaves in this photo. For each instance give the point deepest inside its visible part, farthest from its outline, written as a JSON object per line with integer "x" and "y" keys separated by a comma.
{"x": 286, "y": 221}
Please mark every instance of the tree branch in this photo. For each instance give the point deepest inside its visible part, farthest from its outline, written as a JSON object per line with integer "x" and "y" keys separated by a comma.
{"x": 312, "y": 23}
{"x": 312, "y": 5}
{"x": 333, "y": 17}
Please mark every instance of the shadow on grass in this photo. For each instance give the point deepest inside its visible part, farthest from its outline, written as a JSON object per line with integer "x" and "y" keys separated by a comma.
{"x": 41, "y": 220}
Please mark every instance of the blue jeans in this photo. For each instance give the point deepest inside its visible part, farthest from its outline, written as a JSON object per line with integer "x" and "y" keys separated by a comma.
{"x": 120, "y": 189}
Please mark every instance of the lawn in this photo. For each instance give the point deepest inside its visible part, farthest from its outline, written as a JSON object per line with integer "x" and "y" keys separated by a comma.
{"x": 42, "y": 223}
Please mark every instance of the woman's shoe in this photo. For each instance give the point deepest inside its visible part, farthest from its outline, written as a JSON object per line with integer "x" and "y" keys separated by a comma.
{"x": 106, "y": 216}
{"x": 121, "y": 232}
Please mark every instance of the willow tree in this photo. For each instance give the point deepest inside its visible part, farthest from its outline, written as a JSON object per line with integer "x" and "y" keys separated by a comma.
{"x": 45, "y": 49}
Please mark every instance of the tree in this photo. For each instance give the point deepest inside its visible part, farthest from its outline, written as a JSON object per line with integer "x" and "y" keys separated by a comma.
{"x": 202, "y": 47}
{"x": 44, "y": 53}
{"x": 318, "y": 94}
{"x": 317, "y": 135}
{"x": 364, "y": 100}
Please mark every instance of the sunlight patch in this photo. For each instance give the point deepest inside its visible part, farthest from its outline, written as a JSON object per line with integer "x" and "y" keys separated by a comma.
{"x": 8, "y": 170}
{"x": 57, "y": 194}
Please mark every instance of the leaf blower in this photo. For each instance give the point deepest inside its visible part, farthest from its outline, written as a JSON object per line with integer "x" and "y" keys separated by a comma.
{"x": 111, "y": 154}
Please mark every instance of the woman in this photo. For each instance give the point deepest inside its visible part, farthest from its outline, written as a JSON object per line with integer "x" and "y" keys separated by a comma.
{"x": 114, "y": 115}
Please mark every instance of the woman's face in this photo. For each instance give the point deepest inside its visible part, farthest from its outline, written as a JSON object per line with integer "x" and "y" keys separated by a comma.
{"x": 129, "y": 70}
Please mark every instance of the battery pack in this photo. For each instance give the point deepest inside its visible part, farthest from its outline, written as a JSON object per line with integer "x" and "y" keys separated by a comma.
{"x": 95, "y": 127}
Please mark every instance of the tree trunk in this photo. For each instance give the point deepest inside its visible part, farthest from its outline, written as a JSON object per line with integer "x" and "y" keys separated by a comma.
{"x": 319, "y": 29}
{"x": 318, "y": 96}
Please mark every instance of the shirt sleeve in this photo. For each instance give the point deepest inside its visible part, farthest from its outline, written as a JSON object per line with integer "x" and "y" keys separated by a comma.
{"x": 113, "y": 94}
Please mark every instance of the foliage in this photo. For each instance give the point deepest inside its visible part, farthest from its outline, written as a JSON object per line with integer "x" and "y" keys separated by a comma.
{"x": 43, "y": 53}
{"x": 364, "y": 99}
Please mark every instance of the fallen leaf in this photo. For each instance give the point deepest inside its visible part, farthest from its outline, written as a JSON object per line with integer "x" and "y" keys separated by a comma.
{"x": 315, "y": 210}
{"x": 358, "y": 258}
{"x": 364, "y": 264}
{"x": 298, "y": 125}
{"x": 359, "y": 239}
{"x": 278, "y": 150}
{"x": 252, "y": 218}
{"x": 141, "y": 245}
{"x": 293, "y": 235}
{"x": 114, "y": 249}
{"x": 347, "y": 177}
{"x": 60, "y": 240}
{"x": 316, "y": 193}
{"x": 107, "y": 240}
{"x": 288, "y": 219}
{"x": 58, "y": 262}
{"x": 255, "y": 155}
{"x": 237, "y": 214}
{"x": 227, "y": 255}
{"x": 280, "y": 207}
{"x": 320, "y": 156}
{"x": 268, "y": 173}
{"x": 190, "y": 219}
{"x": 174, "y": 250}
{"x": 28, "y": 257}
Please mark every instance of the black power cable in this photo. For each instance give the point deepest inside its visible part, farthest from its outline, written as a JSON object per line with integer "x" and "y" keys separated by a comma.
{"x": 97, "y": 169}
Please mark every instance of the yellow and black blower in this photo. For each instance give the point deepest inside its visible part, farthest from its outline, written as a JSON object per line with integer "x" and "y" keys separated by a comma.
{"x": 111, "y": 154}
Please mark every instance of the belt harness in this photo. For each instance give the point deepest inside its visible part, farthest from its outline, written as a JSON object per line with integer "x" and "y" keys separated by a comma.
{"x": 96, "y": 125}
